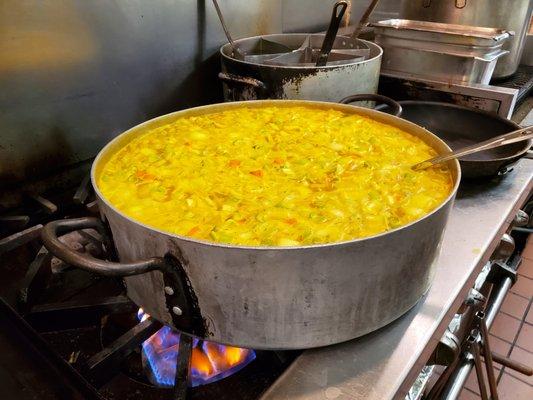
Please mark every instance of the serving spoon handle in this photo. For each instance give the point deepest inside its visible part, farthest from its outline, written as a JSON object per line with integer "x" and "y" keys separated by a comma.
{"x": 502, "y": 140}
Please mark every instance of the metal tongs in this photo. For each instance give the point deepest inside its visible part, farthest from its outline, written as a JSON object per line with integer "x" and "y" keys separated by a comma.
{"x": 502, "y": 140}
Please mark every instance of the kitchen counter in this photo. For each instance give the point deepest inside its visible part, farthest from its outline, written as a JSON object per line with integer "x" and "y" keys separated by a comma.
{"x": 384, "y": 364}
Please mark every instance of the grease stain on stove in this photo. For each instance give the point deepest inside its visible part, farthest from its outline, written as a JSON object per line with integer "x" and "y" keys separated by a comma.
{"x": 332, "y": 392}
{"x": 476, "y": 250}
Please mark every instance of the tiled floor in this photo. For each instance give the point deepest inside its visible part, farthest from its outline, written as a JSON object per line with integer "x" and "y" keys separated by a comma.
{"x": 512, "y": 336}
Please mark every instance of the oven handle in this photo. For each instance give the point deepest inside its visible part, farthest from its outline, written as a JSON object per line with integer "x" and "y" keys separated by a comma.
{"x": 396, "y": 108}
{"x": 51, "y": 241}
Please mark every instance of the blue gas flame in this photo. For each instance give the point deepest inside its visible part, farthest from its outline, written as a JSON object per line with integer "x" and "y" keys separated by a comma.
{"x": 162, "y": 350}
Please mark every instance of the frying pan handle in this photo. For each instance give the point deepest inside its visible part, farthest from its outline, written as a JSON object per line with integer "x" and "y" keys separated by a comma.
{"x": 241, "y": 80}
{"x": 396, "y": 108}
{"x": 51, "y": 241}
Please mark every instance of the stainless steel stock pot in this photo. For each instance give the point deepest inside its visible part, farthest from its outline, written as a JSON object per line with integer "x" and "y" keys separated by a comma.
{"x": 266, "y": 297}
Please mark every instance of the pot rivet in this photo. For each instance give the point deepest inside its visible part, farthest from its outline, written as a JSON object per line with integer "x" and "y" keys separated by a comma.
{"x": 169, "y": 290}
{"x": 177, "y": 310}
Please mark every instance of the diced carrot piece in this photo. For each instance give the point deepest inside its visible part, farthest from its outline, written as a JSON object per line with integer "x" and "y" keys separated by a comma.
{"x": 141, "y": 174}
{"x": 290, "y": 221}
{"x": 257, "y": 172}
{"x": 234, "y": 163}
{"x": 194, "y": 230}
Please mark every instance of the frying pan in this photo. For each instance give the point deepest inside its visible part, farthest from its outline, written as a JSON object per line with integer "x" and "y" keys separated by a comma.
{"x": 461, "y": 126}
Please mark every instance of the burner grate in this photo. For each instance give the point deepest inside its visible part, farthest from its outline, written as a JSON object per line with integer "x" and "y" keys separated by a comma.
{"x": 70, "y": 334}
{"x": 521, "y": 80}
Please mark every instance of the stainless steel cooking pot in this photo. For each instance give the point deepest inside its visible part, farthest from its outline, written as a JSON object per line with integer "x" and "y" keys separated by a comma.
{"x": 255, "y": 79}
{"x": 266, "y": 297}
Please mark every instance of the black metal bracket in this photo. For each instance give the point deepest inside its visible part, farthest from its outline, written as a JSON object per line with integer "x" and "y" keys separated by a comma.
{"x": 77, "y": 313}
{"x": 183, "y": 368}
{"x": 500, "y": 270}
{"x": 20, "y": 238}
{"x": 34, "y": 280}
{"x": 181, "y": 300}
{"x": 101, "y": 367}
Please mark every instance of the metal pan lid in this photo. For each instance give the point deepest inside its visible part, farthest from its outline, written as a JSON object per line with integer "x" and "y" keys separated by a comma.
{"x": 495, "y": 34}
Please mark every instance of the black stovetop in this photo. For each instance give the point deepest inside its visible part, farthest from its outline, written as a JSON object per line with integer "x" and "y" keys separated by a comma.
{"x": 68, "y": 334}
{"x": 521, "y": 80}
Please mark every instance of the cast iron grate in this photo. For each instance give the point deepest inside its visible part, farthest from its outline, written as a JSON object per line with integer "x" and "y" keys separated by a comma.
{"x": 521, "y": 80}
{"x": 52, "y": 320}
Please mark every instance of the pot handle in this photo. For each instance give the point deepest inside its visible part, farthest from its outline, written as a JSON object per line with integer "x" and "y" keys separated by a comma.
{"x": 51, "y": 241}
{"x": 396, "y": 108}
{"x": 233, "y": 79}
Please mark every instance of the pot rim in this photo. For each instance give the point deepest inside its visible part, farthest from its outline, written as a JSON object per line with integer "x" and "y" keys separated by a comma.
{"x": 382, "y": 117}
{"x": 295, "y": 67}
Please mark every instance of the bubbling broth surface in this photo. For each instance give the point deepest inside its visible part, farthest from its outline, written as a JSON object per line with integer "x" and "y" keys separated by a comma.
{"x": 274, "y": 176}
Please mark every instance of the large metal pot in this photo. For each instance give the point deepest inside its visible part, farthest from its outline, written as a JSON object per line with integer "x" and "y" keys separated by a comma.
{"x": 512, "y": 15}
{"x": 266, "y": 297}
{"x": 246, "y": 80}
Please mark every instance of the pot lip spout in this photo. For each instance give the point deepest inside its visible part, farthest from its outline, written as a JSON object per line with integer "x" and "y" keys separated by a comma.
{"x": 125, "y": 137}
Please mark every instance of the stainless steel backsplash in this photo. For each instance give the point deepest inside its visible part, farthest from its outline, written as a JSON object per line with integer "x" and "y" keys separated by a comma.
{"x": 75, "y": 73}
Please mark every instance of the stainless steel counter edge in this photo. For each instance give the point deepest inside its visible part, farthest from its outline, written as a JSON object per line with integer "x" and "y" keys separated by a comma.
{"x": 384, "y": 364}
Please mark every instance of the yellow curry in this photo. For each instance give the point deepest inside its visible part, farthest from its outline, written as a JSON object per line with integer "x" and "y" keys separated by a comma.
{"x": 274, "y": 176}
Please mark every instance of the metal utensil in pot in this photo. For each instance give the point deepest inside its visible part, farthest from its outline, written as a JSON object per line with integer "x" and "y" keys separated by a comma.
{"x": 306, "y": 54}
{"x": 364, "y": 19}
{"x": 503, "y": 140}
{"x": 336, "y": 17}
{"x": 461, "y": 126}
{"x": 237, "y": 53}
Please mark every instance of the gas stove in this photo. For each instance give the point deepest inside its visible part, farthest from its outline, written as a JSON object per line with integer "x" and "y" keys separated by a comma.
{"x": 66, "y": 333}
{"x": 69, "y": 334}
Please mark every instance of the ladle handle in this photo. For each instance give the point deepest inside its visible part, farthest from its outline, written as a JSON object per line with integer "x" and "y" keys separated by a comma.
{"x": 336, "y": 18}
{"x": 51, "y": 241}
{"x": 236, "y": 51}
{"x": 364, "y": 19}
{"x": 502, "y": 140}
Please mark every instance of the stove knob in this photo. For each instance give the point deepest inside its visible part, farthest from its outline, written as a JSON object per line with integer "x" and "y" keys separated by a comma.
{"x": 521, "y": 218}
{"x": 505, "y": 249}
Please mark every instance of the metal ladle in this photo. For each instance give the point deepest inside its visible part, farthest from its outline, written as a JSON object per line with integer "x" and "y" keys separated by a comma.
{"x": 336, "y": 17}
{"x": 364, "y": 19}
{"x": 502, "y": 140}
{"x": 306, "y": 55}
{"x": 237, "y": 53}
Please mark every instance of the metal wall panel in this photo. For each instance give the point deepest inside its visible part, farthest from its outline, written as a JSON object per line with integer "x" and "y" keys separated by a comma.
{"x": 313, "y": 15}
{"x": 75, "y": 73}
